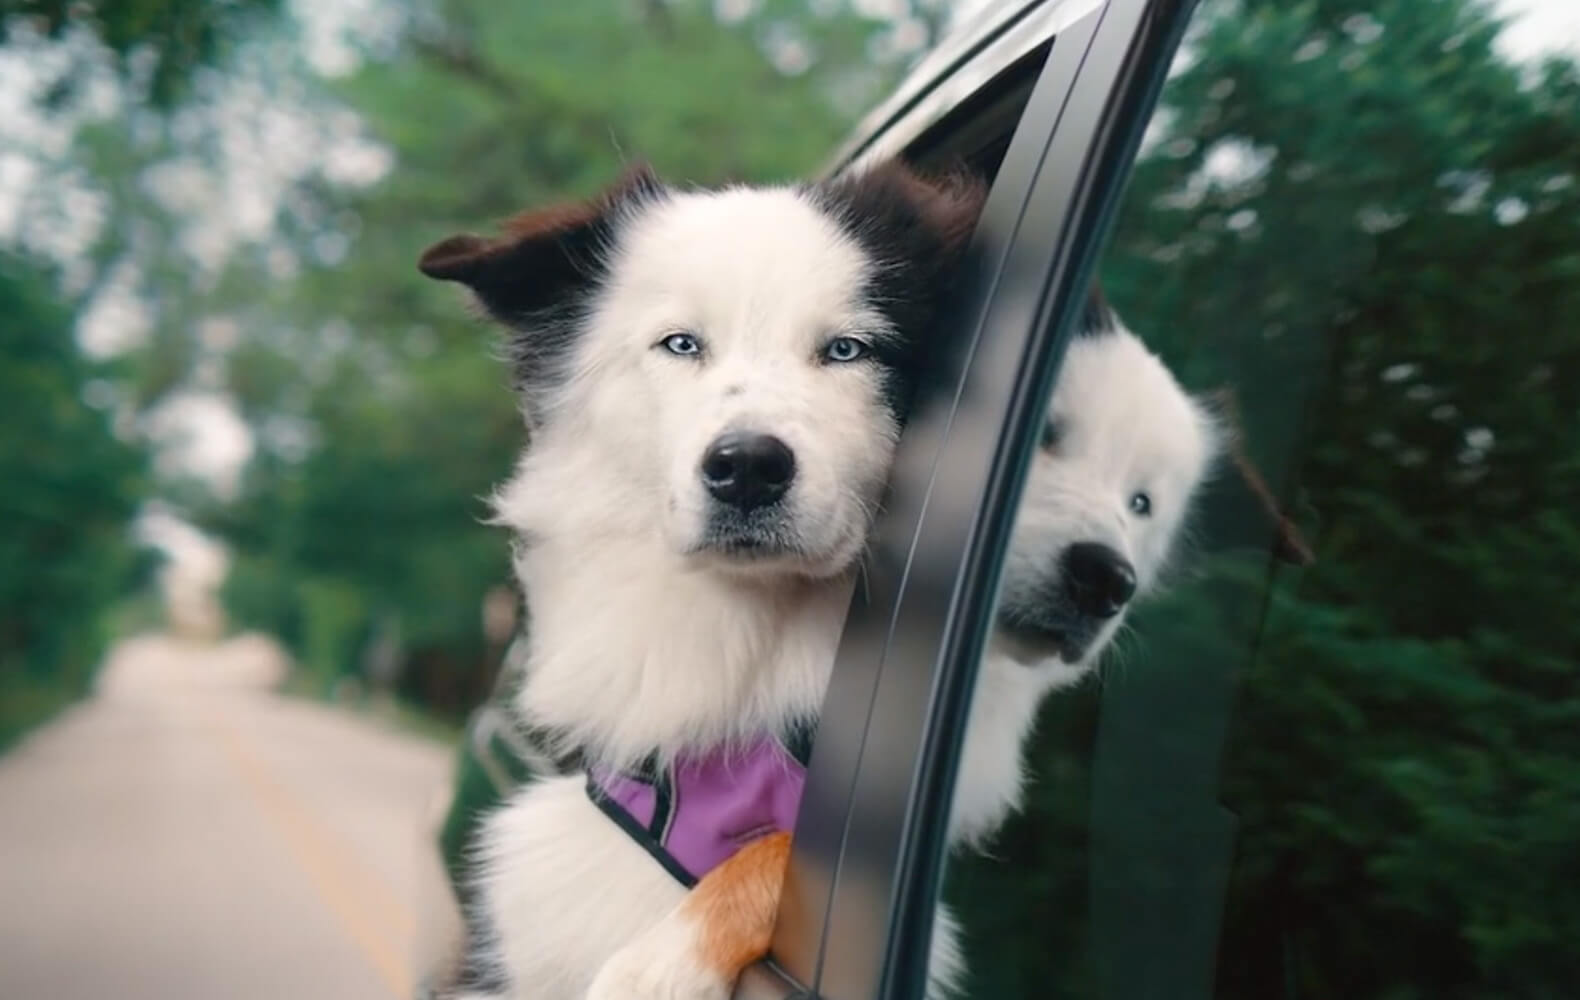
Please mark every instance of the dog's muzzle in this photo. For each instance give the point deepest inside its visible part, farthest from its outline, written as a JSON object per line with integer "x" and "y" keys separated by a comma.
{"x": 747, "y": 476}
{"x": 1091, "y": 585}
{"x": 1098, "y": 581}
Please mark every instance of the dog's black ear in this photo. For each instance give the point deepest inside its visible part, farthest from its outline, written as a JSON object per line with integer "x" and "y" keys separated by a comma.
{"x": 917, "y": 226}
{"x": 950, "y": 201}
{"x": 543, "y": 256}
{"x": 1289, "y": 544}
{"x": 936, "y": 210}
{"x": 1097, "y": 316}
{"x": 1286, "y": 540}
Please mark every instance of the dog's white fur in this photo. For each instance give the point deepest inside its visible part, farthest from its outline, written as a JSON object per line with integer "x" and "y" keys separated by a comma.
{"x": 643, "y": 639}
{"x": 1126, "y": 427}
{"x": 638, "y": 640}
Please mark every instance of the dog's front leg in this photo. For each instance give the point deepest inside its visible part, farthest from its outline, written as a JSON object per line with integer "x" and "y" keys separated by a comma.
{"x": 699, "y": 950}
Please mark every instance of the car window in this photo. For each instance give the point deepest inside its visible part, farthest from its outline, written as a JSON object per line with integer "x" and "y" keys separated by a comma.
{"x": 1339, "y": 753}
{"x": 962, "y": 88}
{"x": 868, "y": 836}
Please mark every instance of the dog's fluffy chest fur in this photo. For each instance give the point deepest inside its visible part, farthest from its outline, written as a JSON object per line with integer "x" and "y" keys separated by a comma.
{"x": 633, "y": 655}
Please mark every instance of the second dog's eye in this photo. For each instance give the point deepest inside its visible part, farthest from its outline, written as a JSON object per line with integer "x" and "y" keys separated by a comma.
{"x": 1052, "y": 431}
{"x": 685, "y": 345}
{"x": 1141, "y": 505}
{"x": 843, "y": 350}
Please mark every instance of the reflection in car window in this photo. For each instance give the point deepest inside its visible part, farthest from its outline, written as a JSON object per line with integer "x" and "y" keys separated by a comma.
{"x": 1355, "y": 223}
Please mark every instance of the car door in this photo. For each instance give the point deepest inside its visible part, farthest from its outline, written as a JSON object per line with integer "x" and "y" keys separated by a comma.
{"x": 869, "y": 844}
{"x": 1357, "y": 224}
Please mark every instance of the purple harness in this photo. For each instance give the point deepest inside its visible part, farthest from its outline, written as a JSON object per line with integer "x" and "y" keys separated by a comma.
{"x": 697, "y": 812}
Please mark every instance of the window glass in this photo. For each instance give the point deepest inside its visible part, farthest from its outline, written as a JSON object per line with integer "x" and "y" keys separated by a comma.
{"x": 1352, "y": 234}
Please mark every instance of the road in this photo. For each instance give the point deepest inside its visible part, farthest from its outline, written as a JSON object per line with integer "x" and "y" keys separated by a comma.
{"x": 186, "y": 833}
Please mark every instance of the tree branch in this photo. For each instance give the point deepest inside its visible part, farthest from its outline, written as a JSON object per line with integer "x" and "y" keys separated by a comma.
{"x": 462, "y": 59}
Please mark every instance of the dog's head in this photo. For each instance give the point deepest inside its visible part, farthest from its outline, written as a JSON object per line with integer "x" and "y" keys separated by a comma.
{"x": 1122, "y": 455}
{"x": 726, "y": 369}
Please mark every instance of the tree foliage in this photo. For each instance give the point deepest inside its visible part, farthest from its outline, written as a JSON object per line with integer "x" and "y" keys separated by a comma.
{"x": 157, "y": 45}
{"x": 72, "y": 488}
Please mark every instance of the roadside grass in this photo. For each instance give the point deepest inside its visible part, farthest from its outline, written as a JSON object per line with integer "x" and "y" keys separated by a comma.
{"x": 27, "y": 702}
{"x": 32, "y": 694}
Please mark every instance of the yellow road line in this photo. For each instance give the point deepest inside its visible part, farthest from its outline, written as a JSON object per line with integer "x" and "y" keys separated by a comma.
{"x": 358, "y": 906}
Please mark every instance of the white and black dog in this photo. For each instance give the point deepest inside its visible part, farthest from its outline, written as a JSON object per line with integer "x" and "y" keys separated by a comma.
{"x": 1123, "y": 454}
{"x": 715, "y": 382}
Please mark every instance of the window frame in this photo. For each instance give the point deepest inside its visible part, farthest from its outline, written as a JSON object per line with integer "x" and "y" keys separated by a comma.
{"x": 856, "y": 915}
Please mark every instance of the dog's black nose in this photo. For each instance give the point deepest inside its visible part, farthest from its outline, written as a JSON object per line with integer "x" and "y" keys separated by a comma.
{"x": 1099, "y": 580}
{"x": 747, "y": 470}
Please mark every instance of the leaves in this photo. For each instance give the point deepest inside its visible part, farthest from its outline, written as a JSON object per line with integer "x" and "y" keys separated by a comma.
{"x": 72, "y": 489}
{"x": 158, "y": 44}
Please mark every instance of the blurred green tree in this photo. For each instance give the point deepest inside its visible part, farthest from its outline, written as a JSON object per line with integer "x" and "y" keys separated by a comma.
{"x": 157, "y": 45}
{"x": 72, "y": 490}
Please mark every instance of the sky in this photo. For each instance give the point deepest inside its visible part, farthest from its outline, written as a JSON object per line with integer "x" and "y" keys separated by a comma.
{"x": 276, "y": 137}
{"x": 1540, "y": 26}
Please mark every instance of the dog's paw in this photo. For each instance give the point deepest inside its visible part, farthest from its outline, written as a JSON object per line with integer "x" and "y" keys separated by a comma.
{"x": 662, "y": 964}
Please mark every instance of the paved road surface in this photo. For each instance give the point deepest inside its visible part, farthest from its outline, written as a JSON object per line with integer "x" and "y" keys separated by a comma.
{"x": 186, "y": 834}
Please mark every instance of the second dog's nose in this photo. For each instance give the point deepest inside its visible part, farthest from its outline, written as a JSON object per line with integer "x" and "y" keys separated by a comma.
{"x": 747, "y": 470}
{"x": 1099, "y": 580}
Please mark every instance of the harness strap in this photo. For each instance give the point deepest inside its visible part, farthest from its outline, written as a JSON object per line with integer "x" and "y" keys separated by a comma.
{"x": 698, "y": 811}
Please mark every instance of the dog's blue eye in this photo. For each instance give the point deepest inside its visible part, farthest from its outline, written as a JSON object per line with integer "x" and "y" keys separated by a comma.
{"x": 1141, "y": 505}
{"x": 843, "y": 350}
{"x": 682, "y": 344}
